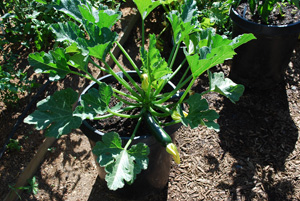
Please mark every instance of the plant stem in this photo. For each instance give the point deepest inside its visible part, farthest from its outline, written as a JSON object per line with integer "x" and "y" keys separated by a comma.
{"x": 100, "y": 67}
{"x": 157, "y": 114}
{"x": 125, "y": 101}
{"x": 174, "y": 56}
{"x": 134, "y": 132}
{"x": 186, "y": 92}
{"x": 125, "y": 94}
{"x": 129, "y": 59}
{"x": 123, "y": 82}
{"x": 143, "y": 34}
{"x": 179, "y": 86}
{"x": 171, "y": 55}
{"x": 110, "y": 115}
{"x": 123, "y": 115}
{"x": 171, "y": 123}
{"x": 126, "y": 74}
{"x": 173, "y": 74}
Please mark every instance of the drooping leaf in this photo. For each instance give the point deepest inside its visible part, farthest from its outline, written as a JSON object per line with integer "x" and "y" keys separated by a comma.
{"x": 54, "y": 63}
{"x": 120, "y": 165}
{"x": 55, "y": 114}
{"x": 146, "y": 6}
{"x": 225, "y": 86}
{"x": 106, "y": 149}
{"x": 94, "y": 102}
{"x": 199, "y": 113}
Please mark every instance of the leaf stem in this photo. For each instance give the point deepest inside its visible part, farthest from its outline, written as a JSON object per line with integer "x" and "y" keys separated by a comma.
{"x": 135, "y": 130}
{"x": 129, "y": 59}
{"x": 126, "y": 74}
{"x": 123, "y": 82}
{"x": 174, "y": 56}
{"x": 186, "y": 92}
{"x": 123, "y": 115}
{"x": 110, "y": 114}
{"x": 125, "y": 101}
{"x": 100, "y": 67}
{"x": 174, "y": 91}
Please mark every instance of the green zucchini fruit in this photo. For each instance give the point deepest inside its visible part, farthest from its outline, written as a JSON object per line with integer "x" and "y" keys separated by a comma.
{"x": 157, "y": 131}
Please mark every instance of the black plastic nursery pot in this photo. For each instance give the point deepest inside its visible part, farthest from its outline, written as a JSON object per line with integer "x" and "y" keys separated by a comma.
{"x": 155, "y": 178}
{"x": 261, "y": 63}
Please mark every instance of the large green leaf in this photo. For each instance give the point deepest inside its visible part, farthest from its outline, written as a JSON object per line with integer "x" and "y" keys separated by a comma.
{"x": 210, "y": 49}
{"x": 54, "y": 63}
{"x": 239, "y": 40}
{"x": 55, "y": 114}
{"x": 146, "y": 6}
{"x": 101, "y": 16}
{"x": 185, "y": 22}
{"x": 225, "y": 86}
{"x": 101, "y": 43}
{"x": 67, "y": 31}
{"x": 120, "y": 165}
{"x": 94, "y": 102}
{"x": 69, "y": 7}
{"x": 216, "y": 56}
{"x": 199, "y": 113}
{"x": 76, "y": 59}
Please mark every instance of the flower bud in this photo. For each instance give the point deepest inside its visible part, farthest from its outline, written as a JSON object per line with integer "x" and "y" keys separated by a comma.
{"x": 176, "y": 116}
{"x": 145, "y": 81}
{"x": 172, "y": 149}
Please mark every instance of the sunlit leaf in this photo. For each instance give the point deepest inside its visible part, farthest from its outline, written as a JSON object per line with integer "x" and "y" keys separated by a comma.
{"x": 54, "y": 63}
{"x": 225, "y": 86}
{"x": 146, "y": 6}
{"x": 55, "y": 114}
{"x": 120, "y": 165}
{"x": 185, "y": 22}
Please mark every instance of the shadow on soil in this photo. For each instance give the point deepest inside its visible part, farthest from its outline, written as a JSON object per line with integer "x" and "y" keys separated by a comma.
{"x": 259, "y": 133}
{"x": 100, "y": 190}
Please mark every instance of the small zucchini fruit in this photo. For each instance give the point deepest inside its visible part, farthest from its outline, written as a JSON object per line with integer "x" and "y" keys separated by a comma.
{"x": 162, "y": 137}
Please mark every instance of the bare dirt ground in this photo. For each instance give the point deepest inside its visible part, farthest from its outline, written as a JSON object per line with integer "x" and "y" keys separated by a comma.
{"x": 255, "y": 156}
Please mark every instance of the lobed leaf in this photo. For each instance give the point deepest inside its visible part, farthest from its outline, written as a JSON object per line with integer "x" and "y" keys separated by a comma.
{"x": 216, "y": 56}
{"x": 225, "y": 86}
{"x": 54, "y": 63}
{"x": 94, "y": 102}
{"x": 55, "y": 114}
{"x": 120, "y": 165}
{"x": 199, "y": 113}
{"x": 185, "y": 22}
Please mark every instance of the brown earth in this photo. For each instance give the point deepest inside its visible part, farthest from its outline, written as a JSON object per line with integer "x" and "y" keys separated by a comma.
{"x": 255, "y": 156}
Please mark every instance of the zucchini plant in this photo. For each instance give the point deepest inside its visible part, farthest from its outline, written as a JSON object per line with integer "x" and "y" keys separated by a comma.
{"x": 203, "y": 50}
